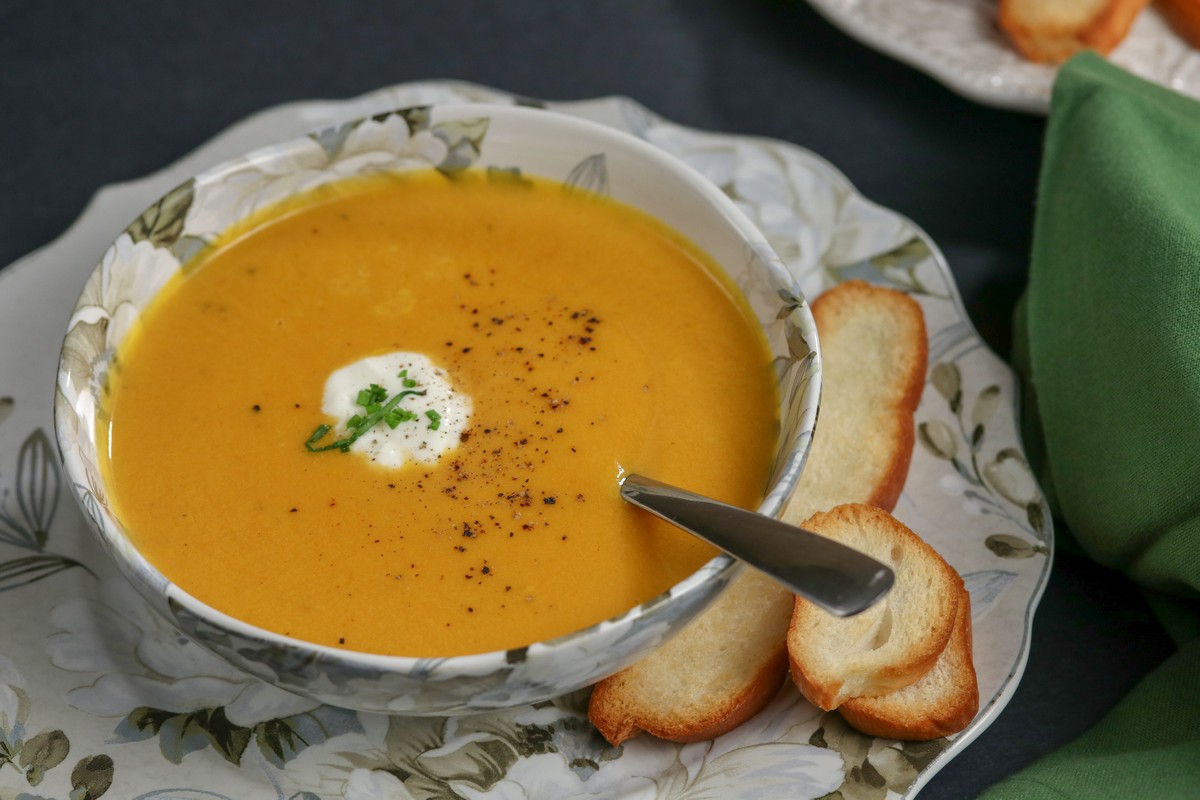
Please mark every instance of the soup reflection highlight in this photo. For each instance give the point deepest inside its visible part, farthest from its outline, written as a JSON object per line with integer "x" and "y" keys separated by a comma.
{"x": 584, "y": 337}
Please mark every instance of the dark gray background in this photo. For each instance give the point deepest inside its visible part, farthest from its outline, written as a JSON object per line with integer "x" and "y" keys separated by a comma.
{"x": 94, "y": 93}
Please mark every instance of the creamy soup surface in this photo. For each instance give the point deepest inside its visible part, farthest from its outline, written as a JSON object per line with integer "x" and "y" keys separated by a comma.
{"x": 586, "y": 339}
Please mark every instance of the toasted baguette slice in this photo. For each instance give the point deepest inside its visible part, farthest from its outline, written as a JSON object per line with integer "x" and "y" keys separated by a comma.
{"x": 719, "y": 671}
{"x": 728, "y": 663}
{"x": 941, "y": 703}
{"x": 1184, "y": 16}
{"x": 893, "y": 643}
{"x": 874, "y": 352}
{"x": 1051, "y": 31}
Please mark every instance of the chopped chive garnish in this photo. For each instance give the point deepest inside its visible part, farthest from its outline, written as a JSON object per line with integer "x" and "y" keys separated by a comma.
{"x": 372, "y": 395}
{"x": 358, "y": 425}
{"x": 317, "y": 435}
{"x": 435, "y": 419}
{"x": 397, "y": 415}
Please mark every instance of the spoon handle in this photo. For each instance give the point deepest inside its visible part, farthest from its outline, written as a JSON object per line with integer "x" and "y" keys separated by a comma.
{"x": 836, "y": 577}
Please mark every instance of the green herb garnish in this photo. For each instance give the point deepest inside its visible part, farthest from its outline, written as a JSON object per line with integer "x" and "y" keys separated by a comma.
{"x": 408, "y": 382}
{"x": 435, "y": 419}
{"x": 371, "y": 399}
{"x": 373, "y": 395}
{"x": 397, "y": 415}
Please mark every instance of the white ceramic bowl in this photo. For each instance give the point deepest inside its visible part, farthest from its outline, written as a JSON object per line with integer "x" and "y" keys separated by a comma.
{"x": 451, "y": 137}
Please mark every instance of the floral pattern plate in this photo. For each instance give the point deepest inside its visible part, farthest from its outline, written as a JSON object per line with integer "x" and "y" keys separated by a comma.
{"x": 958, "y": 43}
{"x": 98, "y": 696}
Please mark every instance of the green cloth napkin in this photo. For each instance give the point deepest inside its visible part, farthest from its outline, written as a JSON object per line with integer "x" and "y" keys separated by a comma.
{"x": 1108, "y": 341}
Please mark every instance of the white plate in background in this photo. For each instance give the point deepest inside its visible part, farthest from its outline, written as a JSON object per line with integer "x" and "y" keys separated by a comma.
{"x": 958, "y": 43}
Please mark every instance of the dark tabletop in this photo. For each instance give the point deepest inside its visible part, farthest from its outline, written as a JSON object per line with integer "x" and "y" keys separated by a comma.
{"x": 94, "y": 93}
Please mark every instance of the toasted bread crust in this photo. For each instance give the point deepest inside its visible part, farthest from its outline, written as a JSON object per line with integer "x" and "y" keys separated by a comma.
{"x": 1051, "y": 31}
{"x": 1184, "y": 16}
{"x": 894, "y": 643}
{"x": 710, "y": 678}
{"x": 942, "y": 703}
{"x": 834, "y": 313}
{"x": 618, "y": 720}
{"x": 868, "y": 398}
{"x": 874, "y": 350}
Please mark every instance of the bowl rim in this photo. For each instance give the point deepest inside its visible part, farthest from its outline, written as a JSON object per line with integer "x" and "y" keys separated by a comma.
{"x": 720, "y": 568}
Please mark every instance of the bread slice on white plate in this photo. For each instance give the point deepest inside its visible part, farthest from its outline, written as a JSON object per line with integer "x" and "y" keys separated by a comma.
{"x": 729, "y": 662}
{"x": 874, "y": 352}
{"x": 718, "y": 672}
{"x": 890, "y": 645}
{"x": 1184, "y": 16}
{"x": 941, "y": 703}
{"x": 1051, "y": 31}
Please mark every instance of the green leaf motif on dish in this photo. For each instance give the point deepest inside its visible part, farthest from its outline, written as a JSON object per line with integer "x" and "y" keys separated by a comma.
{"x": 789, "y": 302}
{"x": 589, "y": 175}
{"x": 1010, "y": 476}
{"x": 1006, "y": 545}
{"x": 898, "y": 268}
{"x": 162, "y": 223}
{"x": 947, "y": 379}
{"x": 417, "y": 117}
{"x": 872, "y": 771}
{"x": 27, "y": 513}
{"x": 43, "y": 752}
{"x": 1006, "y": 477}
{"x": 37, "y": 489}
{"x": 796, "y": 337}
{"x": 279, "y": 740}
{"x": 1036, "y": 513}
{"x": 92, "y": 777}
{"x": 939, "y": 439}
{"x": 464, "y": 141}
{"x": 466, "y": 756}
{"x": 985, "y": 405}
{"x": 18, "y": 572}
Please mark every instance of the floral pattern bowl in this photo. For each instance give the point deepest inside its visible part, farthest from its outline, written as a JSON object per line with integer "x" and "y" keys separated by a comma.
{"x": 581, "y": 154}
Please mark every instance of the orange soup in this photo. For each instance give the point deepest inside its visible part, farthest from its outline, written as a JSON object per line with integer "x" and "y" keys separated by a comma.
{"x": 580, "y": 338}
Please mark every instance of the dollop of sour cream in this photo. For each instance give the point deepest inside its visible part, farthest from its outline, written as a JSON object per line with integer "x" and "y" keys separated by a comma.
{"x": 424, "y": 439}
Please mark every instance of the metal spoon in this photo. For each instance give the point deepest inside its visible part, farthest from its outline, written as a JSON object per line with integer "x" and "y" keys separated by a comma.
{"x": 836, "y": 577}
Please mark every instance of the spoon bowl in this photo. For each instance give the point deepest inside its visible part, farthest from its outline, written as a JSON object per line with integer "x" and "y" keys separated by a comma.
{"x": 838, "y": 578}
